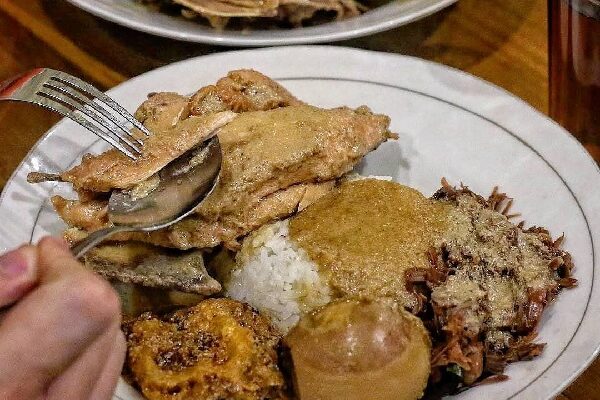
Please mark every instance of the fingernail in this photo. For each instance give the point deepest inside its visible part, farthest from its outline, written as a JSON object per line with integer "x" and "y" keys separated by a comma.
{"x": 13, "y": 265}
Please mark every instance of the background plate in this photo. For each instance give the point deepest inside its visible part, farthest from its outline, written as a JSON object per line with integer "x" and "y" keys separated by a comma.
{"x": 450, "y": 124}
{"x": 137, "y": 16}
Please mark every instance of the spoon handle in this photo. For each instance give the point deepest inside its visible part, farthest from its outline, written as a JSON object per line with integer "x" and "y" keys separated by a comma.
{"x": 83, "y": 246}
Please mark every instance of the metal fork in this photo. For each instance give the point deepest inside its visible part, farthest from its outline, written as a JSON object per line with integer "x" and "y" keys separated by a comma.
{"x": 78, "y": 100}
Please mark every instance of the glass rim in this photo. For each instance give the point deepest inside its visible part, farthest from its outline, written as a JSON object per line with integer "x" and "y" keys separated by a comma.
{"x": 589, "y": 8}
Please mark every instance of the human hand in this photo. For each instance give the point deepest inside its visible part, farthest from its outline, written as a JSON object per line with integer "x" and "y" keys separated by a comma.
{"x": 61, "y": 338}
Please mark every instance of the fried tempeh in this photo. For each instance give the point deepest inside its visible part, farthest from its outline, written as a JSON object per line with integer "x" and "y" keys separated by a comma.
{"x": 150, "y": 266}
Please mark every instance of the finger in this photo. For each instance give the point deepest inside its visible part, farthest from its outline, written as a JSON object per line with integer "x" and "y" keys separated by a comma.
{"x": 45, "y": 332}
{"x": 105, "y": 387}
{"x": 56, "y": 260}
{"x": 79, "y": 380}
{"x": 18, "y": 274}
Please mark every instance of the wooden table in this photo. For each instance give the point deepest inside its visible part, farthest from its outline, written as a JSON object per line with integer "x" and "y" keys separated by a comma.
{"x": 502, "y": 41}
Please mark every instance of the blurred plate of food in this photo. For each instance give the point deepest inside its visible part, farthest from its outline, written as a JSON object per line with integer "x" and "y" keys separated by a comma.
{"x": 262, "y": 23}
{"x": 360, "y": 210}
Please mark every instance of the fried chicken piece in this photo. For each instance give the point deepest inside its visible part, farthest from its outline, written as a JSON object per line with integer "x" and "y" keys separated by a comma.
{"x": 242, "y": 91}
{"x": 113, "y": 170}
{"x": 218, "y": 349}
{"x": 265, "y": 153}
{"x": 162, "y": 111}
{"x": 178, "y": 123}
{"x": 198, "y": 232}
{"x": 90, "y": 215}
{"x": 277, "y": 154}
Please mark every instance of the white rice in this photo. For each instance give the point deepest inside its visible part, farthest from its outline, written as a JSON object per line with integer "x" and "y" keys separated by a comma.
{"x": 277, "y": 277}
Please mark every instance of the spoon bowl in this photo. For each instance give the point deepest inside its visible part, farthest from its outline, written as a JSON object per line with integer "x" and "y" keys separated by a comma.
{"x": 176, "y": 192}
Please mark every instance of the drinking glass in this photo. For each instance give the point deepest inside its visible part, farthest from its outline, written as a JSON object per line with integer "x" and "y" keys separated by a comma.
{"x": 574, "y": 48}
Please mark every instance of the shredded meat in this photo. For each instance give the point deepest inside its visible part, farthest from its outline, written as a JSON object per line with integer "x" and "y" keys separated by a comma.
{"x": 487, "y": 286}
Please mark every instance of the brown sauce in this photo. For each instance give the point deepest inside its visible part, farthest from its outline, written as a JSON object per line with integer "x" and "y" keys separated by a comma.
{"x": 366, "y": 233}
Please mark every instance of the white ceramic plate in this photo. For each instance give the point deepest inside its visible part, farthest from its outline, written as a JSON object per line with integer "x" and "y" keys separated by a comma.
{"x": 137, "y": 16}
{"x": 450, "y": 124}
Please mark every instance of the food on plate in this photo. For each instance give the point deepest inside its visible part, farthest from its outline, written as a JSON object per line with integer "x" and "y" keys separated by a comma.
{"x": 218, "y": 349}
{"x": 273, "y": 161}
{"x": 486, "y": 288}
{"x": 111, "y": 170}
{"x": 179, "y": 123}
{"x": 137, "y": 299}
{"x": 363, "y": 254}
{"x": 356, "y": 350}
{"x": 355, "y": 242}
{"x": 292, "y": 12}
{"x": 150, "y": 278}
{"x": 478, "y": 281}
{"x": 290, "y": 242}
{"x": 150, "y": 266}
{"x": 271, "y": 272}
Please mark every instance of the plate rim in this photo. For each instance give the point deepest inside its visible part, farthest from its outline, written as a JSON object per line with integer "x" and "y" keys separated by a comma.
{"x": 313, "y": 34}
{"x": 591, "y": 356}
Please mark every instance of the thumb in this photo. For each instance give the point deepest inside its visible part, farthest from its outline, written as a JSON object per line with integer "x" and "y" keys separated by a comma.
{"x": 18, "y": 274}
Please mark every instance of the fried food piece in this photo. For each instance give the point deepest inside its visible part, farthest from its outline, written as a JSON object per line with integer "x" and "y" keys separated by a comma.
{"x": 197, "y": 232}
{"x": 266, "y": 153}
{"x": 151, "y": 266}
{"x": 137, "y": 299}
{"x": 178, "y": 123}
{"x": 219, "y": 12}
{"x": 90, "y": 215}
{"x": 241, "y": 91}
{"x": 218, "y": 349}
{"x": 114, "y": 170}
{"x": 355, "y": 350}
{"x": 279, "y": 155}
{"x": 162, "y": 111}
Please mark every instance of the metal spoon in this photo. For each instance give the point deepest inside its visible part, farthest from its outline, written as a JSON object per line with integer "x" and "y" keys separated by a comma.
{"x": 184, "y": 183}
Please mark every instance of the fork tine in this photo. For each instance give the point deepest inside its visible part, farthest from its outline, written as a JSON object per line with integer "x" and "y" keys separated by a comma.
{"x": 82, "y": 98}
{"x": 67, "y": 112}
{"x": 92, "y": 91}
{"x": 60, "y": 97}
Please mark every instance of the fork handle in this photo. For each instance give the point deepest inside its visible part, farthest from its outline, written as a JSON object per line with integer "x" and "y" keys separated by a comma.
{"x": 94, "y": 238}
{"x": 9, "y": 86}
